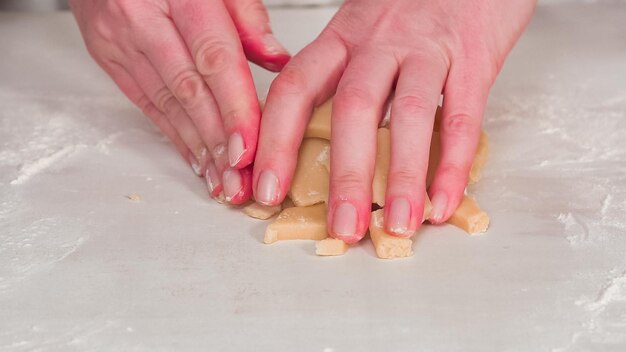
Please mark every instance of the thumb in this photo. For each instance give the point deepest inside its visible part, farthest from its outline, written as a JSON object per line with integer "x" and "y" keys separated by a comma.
{"x": 259, "y": 43}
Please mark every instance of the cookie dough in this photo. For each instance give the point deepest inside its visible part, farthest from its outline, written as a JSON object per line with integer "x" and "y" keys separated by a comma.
{"x": 469, "y": 217}
{"x": 386, "y": 245}
{"x": 482, "y": 154}
{"x": 298, "y": 223}
{"x": 260, "y": 211}
{"x": 331, "y": 247}
{"x": 310, "y": 181}
{"x": 319, "y": 124}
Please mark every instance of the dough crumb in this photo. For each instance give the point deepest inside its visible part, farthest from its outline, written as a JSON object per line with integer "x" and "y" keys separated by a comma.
{"x": 133, "y": 197}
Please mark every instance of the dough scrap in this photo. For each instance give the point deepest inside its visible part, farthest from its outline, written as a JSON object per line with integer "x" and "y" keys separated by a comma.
{"x": 482, "y": 154}
{"x": 260, "y": 211}
{"x": 469, "y": 217}
{"x": 331, "y": 247}
{"x": 298, "y": 223}
{"x": 310, "y": 181}
{"x": 319, "y": 124}
{"x": 386, "y": 245}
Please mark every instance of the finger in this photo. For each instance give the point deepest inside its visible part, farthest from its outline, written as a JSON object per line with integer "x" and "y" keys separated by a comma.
{"x": 209, "y": 33}
{"x": 303, "y": 84}
{"x": 168, "y": 54}
{"x": 131, "y": 89}
{"x": 357, "y": 110}
{"x": 413, "y": 109}
{"x": 160, "y": 95}
{"x": 465, "y": 96}
{"x": 259, "y": 43}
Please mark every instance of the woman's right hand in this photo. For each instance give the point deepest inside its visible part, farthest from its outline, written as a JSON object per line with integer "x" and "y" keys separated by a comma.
{"x": 184, "y": 63}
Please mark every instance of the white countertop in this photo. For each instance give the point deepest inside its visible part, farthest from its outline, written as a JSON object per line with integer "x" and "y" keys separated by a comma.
{"x": 84, "y": 268}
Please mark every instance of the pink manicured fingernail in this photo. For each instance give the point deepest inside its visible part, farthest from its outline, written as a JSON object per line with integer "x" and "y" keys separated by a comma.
{"x": 212, "y": 178}
{"x": 220, "y": 198}
{"x": 236, "y": 148}
{"x": 267, "y": 189}
{"x": 232, "y": 183}
{"x": 440, "y": 203}
{"x": 273, "y": 46}
{"x": 345, "y": 220}
{"x": 399, "y": 217}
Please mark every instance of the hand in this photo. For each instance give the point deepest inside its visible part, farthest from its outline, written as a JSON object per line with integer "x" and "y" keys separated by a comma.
{"x": 183, "y": 62}
{"x": 422, "y": 48}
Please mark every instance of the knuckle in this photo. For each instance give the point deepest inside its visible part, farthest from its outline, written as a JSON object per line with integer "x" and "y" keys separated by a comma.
{"x": 188, "y": 87}
{"x": 413, "y": 105}
{"x": 165, "y": 101}
{"x": 459, "y": 125}
{"x": 355, "y": 97}
{"x": 213, "y": 56}
{"x": 292, "y": 81}
{"x": 455, "y": 172}
{"x": 405, "y": 179}
{"x": 350, "y": 182}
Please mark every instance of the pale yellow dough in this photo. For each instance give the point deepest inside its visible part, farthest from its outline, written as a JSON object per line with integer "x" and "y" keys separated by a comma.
{"x": 298, "y": 223}
{"x": 469, "y": 217}
{"x": 331, "y": 247}
{"x": 310, "y": 181}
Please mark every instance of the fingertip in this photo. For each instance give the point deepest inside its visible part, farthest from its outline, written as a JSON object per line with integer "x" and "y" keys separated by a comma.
{"x": 347, "y": 223}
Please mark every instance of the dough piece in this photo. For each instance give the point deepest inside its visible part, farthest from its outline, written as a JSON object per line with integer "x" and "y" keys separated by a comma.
{"x": 260, "y": 211}
{"x": 310, "y": 181}
{"x": 469, "y": 217}
{"x": 428, "y": 208}
{"x": 298, "y": 223}
{"x": 386, "y": 245}
{"x": 383, "y": 156}
{"x": 331, "y": 246}
{"x": 482, "y": 154}
{"x": 319, "y": 124}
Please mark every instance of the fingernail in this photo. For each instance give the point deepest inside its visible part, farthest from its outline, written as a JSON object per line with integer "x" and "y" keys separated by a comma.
{"x": 272, "y": 45}
{"x": 440, "y": 203}
{"x": 399, "y": 216}
{"x": 232, "y": 183}
{"x": 345, "y": 220}
{"x": 267, "y": 189}
{"x": 195, "y": 165}
{"x": 212, "y": 177}
{"x": 220, "y": 198}
{"x": 236, "y": 148}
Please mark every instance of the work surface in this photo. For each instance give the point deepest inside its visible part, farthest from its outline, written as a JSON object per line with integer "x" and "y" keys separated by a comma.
{"x": 82, "y": 267}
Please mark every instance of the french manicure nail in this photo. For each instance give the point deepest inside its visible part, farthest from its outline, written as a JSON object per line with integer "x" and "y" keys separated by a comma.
{"x": 440, "y": 203}
{"x": 236, "y": 148}
{"x": 399, "y": 216}
{"x": 212, "y": 177}
{"x": 195, "y": 165}
{"x": 232, "y": 183}
{"x": 267, "y": 189}
{"x": 220, "y": 198}
{"x": 272, "y": 45}
{"x": 345, "y": 220}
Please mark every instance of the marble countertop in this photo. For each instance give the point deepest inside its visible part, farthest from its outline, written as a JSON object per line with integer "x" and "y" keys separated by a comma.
{"x": 82, "y": 267}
